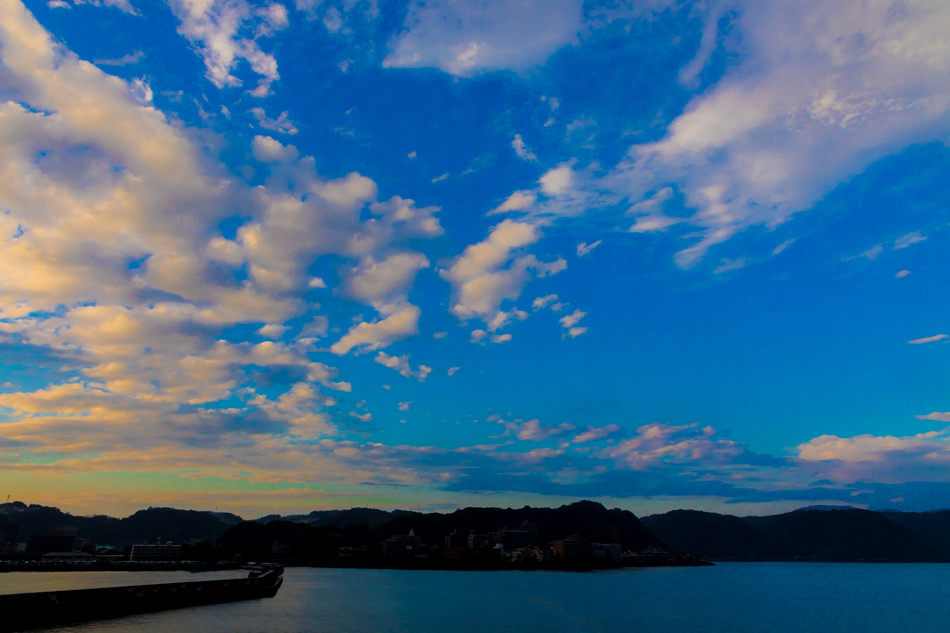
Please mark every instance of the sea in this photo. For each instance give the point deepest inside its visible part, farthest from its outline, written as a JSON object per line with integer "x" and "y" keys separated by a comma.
{"x": 727, "y": 598}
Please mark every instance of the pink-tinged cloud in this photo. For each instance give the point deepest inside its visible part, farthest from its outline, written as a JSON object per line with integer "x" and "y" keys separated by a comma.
{"x": 593, "y": 434}
{"x": 936, "y": 415}
{"x": 928, "y": 339}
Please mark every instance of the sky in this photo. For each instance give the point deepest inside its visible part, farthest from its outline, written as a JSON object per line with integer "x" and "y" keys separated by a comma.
{"x": 307, "y": 254}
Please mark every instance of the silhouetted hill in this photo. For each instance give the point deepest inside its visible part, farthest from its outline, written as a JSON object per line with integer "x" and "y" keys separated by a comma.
{"x": 842, "y": 535}
{"x": 145, "y": 525}
{"x": 340, "y": 518}
{"x": 583, "y": 517}
{"x": 933, "y": 528}
{"x": 707, "y": 534}
{"x": 321, "y": 538}
{"x": 828, "y": 535}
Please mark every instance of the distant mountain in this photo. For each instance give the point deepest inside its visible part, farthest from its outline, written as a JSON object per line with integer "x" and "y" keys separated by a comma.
{"x": 839, "y": 535}
{"x": 932, "y": 528}
{"x": 168, "y": 524}
{"x": 341, "y": 518}
{"x": 327, "y": 532}
{"x": 709, "y": 535}
{"x": 583, "y": 517}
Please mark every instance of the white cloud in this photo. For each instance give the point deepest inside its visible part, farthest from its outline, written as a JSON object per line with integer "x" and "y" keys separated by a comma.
{"x": 522, "y": 150}
{"x": 281, "y": 124}
{"x": 728, "y": 265}
{"x": 534, "y": 430}
{"x": 574, "y": 332}
{"x": 270, "y": 150}
{"x": 571, "y": 319}
{"x": 451, "y": 371}
{"x": 584, "y": 248}
{"x": 592, "y": 434}
{"x": 557, "y": 181}
{"x": 465, "y": 38}
{"x": 928, "y": 339}
{"x": 518, "y": 201}
{"x": 908, "y": 240}
{"x": 488, "y": 272}
{"x": 823, "y": 90}
{"x": 220, "y": 29}
{"x": 370, "y": 336}
{"x": 542, "y": 302}
{"x": 403, "y": 406}
{"x": 902, "y": 273}
{"x": 401, "y": 364}
{"x": 781, "y": 247}
{"x": 936, "y": 415}
{"x": 379, "y": 283}
{"x": 125, "y": 60}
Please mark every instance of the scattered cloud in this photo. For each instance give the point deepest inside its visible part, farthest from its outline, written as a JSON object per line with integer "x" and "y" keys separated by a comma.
{"x": 928, "y": 339}
{"x": 522, "y": 150}
{"x": 465, "y": 39}
{"x": 281, "y": 124}
{"x": 584, "y": 248}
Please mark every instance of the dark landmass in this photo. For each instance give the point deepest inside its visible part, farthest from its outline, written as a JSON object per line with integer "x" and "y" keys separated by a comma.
{"x": 180, "y": 526}
{"x": 358, "y": 536}
{"x": 832, "y": 534}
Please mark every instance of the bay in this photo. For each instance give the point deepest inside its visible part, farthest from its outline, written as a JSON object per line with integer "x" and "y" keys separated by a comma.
{"x": 730, "y": 597}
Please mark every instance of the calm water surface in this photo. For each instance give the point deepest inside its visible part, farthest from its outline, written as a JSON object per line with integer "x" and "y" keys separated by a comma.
{"x": 728, "y": 598}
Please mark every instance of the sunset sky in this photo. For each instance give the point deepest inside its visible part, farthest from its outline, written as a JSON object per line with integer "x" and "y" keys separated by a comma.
{"x": 303, "y": 254}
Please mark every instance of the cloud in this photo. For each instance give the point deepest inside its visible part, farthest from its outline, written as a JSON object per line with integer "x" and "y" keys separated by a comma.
{"x": 908, "y": 240}
{"x": 781, "y": 247}
{"x": 592, "y": 434}
{"x": 557, "y": 181}
{"x": 522, "y": 150}
{"x": 936, "y": 415}
{"x": 381, "y": 283}
{"x": 269, "y": 150}
{"x": 571, "y": 319}
{"x": 281, "y": 124}
{"x": 889, "y": 459}
{"x": 123, "y": 5}
{"x": 542, "y": 302}
{"x": 451, "y": 371}
{"x": 816, "y": 98}
{"x": 488, "y": 272}
{"x": 401, "y": 364}
{"x": 584, "y": 248}
{"x": 534, "y": 430}
{"x": 902, "y": 273}
{"x": 370, "y": 336}
{"x": 729, "y": 265}
{"x": 125, "y": 60}
{"x": 574, "y": 332}
{"x": 518, "y": 201}
{"x": 404, "y": 406}
{"x": 226, "y": 31}
{"x": 464, "y": 39}
{"x": 928, "y": 339}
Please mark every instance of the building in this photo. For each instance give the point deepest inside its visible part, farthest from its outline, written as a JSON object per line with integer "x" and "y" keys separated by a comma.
{"x": 156, "y": 552}
{"x": 611, "y": 552}
{"x": 403, "y": 545}
{"x": 40, "y": 544}
{"x": 525, "y": 536}
{"x": 573, "y": 547}
{"x": 456, "y": 540}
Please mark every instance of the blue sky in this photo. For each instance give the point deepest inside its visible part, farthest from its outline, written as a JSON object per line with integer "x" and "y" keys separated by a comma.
{"x": 271, "y": 256}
